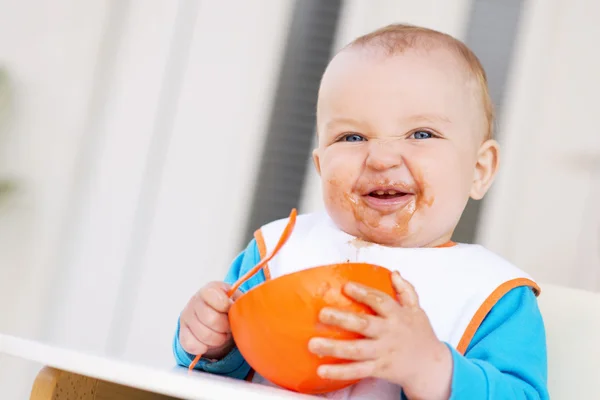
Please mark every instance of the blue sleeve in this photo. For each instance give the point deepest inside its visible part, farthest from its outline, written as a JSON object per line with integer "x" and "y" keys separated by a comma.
{"x": 507, "y": 356}
{"x": 233, "y": 364}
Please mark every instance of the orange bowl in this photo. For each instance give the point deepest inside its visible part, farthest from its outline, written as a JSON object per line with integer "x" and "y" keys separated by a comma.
{"x": 273, "y": 323}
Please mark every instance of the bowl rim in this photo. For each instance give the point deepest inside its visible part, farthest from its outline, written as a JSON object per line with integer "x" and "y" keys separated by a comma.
{"x": 318, "y": 267}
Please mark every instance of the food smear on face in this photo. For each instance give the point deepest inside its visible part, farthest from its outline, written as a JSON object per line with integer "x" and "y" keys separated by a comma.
{"x": 422, "y": 199}
{"x": 362, "y": 212}
{"x": 371, "y": 217}
{"x": 370, "y": 212}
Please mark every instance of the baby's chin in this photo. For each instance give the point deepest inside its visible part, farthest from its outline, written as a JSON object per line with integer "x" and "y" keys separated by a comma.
{"x": 385, "y": 237}
{"x": 387, "y": 232}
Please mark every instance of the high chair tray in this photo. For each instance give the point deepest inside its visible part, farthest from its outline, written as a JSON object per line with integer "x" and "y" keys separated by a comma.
{"x": 67, "y": 374}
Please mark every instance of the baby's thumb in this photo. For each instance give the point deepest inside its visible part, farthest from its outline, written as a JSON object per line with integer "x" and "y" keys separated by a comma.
{"x": 236, "y": 295}
{"x": 406, "y": 294}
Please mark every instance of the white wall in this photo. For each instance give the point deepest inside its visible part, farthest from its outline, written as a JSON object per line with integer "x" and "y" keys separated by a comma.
{"x": 164, "y": 199}
{"x": 135, "y": 140}
{"x": 103, "y": 220}
{"x": 50, "y": 52}
{"x": 360, "y": 17}
{"x": 208, "y": 177}
{"x": 543, "y": 211}
{"x": 49, "y": 57}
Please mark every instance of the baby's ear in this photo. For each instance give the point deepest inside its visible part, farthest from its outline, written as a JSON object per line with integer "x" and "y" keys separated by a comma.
{"x": 316, "y": 160}
{"x": 488, "y": 159}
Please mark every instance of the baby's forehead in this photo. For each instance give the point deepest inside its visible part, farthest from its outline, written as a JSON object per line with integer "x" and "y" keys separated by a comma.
{"x": 428, "y": 59}
{"x": 362, "y": 72}
{"x": 388, "y": 91}
{"x": 397, "y": 39}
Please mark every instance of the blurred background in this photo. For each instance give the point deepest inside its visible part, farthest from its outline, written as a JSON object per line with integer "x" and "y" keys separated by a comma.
{"x": 143, "y": 141}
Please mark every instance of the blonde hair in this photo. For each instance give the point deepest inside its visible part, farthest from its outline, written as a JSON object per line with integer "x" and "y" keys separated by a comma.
{"x": 396, "y": 38}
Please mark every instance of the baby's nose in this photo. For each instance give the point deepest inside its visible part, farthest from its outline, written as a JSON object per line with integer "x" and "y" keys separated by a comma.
{"x": 384, "y": 154}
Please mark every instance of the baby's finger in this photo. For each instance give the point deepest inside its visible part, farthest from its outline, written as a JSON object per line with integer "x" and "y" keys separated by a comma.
{"x": 206, "y": 335}
{"x": 349, "y": 371}
{"x": 238, "y": 293}
{"x": 366, "y": 325}
{"x": 407, "y": 295}
{"x": 218, "y": 322}
{"x": 356, "y": 350}
{"x": 189, "y": 342}
{"x": 215, "y": 296}
{"x": 378, "y": 301}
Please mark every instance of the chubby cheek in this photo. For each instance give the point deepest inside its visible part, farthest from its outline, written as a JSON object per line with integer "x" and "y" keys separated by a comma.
{"x": 445, "y": 194}
{"x": 440, "y": 196}
{"x": 336, "y": 194}
{"x": 339, "y": 174}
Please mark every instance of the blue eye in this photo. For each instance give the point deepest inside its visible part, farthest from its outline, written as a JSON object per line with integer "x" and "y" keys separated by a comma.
{"x": 422, "y": 135}
{"x": 353, "y": 137}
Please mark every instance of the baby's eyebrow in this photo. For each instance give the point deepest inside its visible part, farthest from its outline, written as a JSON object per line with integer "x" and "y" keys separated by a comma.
{"x": 341, "y": 121}
{"x": 431, "y": 118}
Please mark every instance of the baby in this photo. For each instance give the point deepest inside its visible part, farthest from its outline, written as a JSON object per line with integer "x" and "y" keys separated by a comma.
{"x": 404, "y": 121}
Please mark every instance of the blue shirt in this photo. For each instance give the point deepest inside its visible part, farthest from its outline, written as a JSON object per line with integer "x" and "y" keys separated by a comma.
{"x": 505, "y": 360}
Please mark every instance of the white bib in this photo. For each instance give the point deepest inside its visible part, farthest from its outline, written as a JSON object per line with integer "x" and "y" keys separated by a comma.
{"x": 457, "y": 286}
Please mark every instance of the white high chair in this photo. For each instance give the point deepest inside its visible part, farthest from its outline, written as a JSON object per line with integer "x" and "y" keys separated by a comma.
{"x": 572, "y": 321}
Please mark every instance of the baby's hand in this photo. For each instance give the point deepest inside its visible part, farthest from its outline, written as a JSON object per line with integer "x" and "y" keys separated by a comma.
{"x": 399, "y": 345}
{"x": 204, "y": 324}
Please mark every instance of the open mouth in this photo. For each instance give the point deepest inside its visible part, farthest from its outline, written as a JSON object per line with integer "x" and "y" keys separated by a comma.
{"x": 387, "y": 194}
{"x": 388, "y": 200}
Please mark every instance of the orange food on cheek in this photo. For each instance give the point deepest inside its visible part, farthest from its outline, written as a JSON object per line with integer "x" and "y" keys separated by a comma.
{"x": 424, "y": 198}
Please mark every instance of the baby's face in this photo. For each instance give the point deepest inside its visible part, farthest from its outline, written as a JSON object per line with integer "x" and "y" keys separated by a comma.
{"x": 401, "y": 145}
